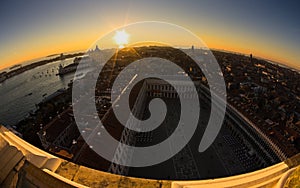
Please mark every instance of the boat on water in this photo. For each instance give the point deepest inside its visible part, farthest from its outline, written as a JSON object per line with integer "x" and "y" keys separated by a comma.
{"x": 79, "y": 75}
{"x": 28, "y": 94}
{"x": 78, "y": 63}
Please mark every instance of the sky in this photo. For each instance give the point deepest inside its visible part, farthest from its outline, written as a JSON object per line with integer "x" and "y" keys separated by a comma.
{"x": 31, "y": 29}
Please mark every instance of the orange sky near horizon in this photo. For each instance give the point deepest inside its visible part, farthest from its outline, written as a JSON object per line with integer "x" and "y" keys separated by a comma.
{"x": 212, "y": 41}
{"x": 40, "y": 28}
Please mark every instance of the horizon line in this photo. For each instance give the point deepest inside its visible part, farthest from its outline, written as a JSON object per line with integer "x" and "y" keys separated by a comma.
{"x": 284, "y": 64}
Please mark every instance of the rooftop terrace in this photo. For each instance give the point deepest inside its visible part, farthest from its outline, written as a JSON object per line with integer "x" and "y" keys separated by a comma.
{"x": 22, "y": 165}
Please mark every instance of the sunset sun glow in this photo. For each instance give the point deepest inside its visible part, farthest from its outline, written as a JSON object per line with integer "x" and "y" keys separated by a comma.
{"x": 121, "y": 38}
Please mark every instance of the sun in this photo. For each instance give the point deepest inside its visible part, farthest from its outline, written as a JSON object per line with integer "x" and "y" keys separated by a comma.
{"x": 121, "y": 38}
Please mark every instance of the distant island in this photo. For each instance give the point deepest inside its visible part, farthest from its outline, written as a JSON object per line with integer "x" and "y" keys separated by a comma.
{"x": 6, "y": 75}
{"x": 52, "y": 55}
{"x": 15, "y": 66}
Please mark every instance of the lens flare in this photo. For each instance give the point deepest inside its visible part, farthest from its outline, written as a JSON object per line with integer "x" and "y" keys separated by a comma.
{"x": 121, "y": 38}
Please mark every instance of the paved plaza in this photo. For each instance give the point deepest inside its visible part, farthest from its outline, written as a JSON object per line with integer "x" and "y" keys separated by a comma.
{"x": 219, "y": 160}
